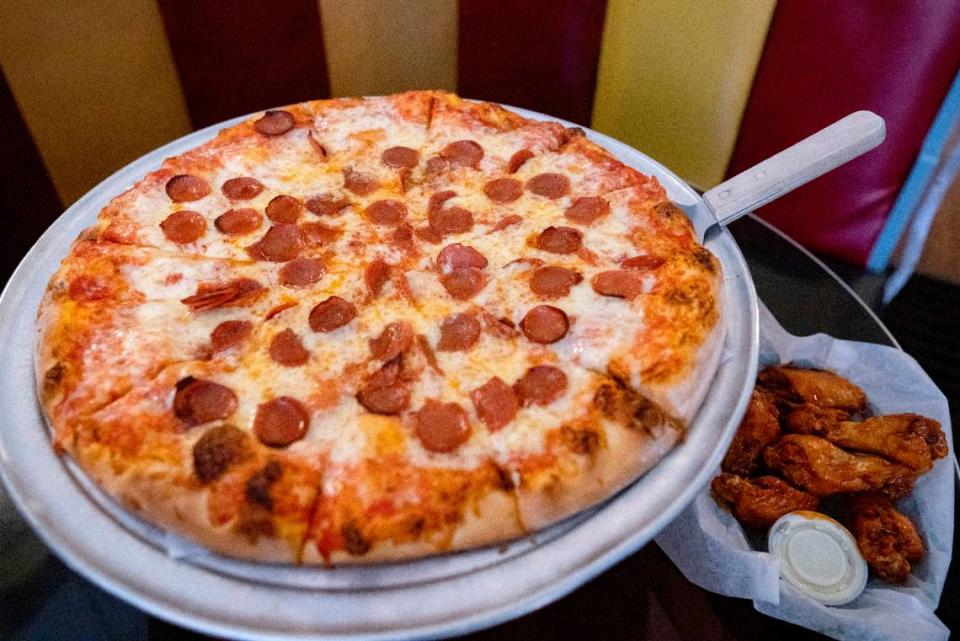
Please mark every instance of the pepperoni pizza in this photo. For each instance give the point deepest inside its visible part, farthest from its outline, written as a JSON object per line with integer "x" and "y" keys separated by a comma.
{"x": 372, "y": 329}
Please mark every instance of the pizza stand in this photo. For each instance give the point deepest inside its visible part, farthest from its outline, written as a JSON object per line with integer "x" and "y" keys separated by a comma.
{"x": 430, "y": 598}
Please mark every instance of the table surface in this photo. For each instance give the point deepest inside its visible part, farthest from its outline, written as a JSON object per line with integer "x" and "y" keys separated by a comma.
{"x": 643, "y": 597}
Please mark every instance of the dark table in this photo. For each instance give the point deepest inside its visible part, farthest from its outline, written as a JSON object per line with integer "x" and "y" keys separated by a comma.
{"x": 643, "y": 597}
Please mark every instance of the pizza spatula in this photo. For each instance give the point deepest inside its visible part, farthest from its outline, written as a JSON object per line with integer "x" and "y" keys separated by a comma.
{"x": 825, "y": 150}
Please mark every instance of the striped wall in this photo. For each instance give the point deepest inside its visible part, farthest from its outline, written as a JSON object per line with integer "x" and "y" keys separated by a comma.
{"x": 97, "y": 83}
{"x": 101, "y": 82}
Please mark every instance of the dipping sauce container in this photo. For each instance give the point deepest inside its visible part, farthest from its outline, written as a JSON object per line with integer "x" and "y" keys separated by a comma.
{"x": 818, "y": 556}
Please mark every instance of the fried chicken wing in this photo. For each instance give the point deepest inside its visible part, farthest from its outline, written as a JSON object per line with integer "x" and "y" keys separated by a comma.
{"x": 821, "y": 468}
{"x": 758, "y": 503}
{"x": 911, "y": 439}
{"x": 758, "y": 429}
{"x": 812, "y": 419}
{"x": 886, "y": 538}
{"x": 793, "y": 385}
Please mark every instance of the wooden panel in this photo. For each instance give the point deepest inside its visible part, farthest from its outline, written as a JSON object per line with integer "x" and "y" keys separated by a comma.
{"x": 246, "y": 55}
{"x": 377, "y": 47}
{"x": 28, "y": 200}
{"x": 94, "y": 81}
{"x": 675, "y": 76}
{"x": 533, "y": 54}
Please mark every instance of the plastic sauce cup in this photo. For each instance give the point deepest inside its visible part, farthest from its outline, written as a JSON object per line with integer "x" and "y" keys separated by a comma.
{"x": 818, "y": 556}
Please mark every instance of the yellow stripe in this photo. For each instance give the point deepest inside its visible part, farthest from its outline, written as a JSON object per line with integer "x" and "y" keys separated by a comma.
{"x": 95, "y": 83}
{"x": 675, "y": 76}
{"x": 377, "y": 47}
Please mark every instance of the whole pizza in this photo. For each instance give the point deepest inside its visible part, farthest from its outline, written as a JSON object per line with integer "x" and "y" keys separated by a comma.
{"x": 373, "y": 329}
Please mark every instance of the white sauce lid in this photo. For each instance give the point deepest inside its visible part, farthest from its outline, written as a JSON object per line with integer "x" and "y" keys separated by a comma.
{"x": 818, "y": 556}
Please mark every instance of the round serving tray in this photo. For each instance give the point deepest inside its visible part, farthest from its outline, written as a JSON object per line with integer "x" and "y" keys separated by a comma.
{"x": 430, "y": 598}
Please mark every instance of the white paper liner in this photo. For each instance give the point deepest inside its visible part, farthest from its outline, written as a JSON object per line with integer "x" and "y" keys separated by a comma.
{"x": 711, "y": 549}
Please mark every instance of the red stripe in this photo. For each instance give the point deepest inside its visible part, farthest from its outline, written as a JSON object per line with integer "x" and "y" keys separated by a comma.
{"x": 245, "y": 55}
{"x": 533, "y": 54}
{"x": 28, "y": 199}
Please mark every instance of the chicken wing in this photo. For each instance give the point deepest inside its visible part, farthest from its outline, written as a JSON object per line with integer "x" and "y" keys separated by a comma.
{"x": 758, "y": 429}
{"x": 911, "y": 439}
{"x": 758, "y": 503}
{"x": 793, "y": 385}
{"x": 886, "y": 538}
{"x": 812, "y": 419}
{"x": 821, "y": 468}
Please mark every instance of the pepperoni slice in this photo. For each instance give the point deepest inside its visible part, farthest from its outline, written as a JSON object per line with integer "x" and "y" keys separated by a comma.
{"x": 456, "y": 255}
{"x": 560, "y": 240}
{"x": 274, "y": 122}
{"x": 450, "y": 220}
{"x": 186, "y": 188}
{"x": 402, "y": 236}
{"x": 464, "y": 282}
{"x": 550, "y": 186}
{"x": 200, "y": 401}
{"x": 284, "y": 209}
{"x": 437, "y": 199}
{"x": 301, "y": 272}
{"x": 499, "y": 327}
{"x": 387, "y": 399}
{"x": 442, "y": 427}
{"x": 518, "y": 159}
{"x": 553, "y": 282}
{"x": 545, "y": 324}
{"x": 287, "y": 349}
{"x": 183, "y": 226}
{"x": 317, "y": 146}
{"x": 395, "y": 339}
{"x": 458, "y": 333}
{"x": 327, "y": 205}
{"x": 623, "y": 283}
{"x": 400, "y": 157}
{"x": 496, "y": 403}
{"x": 503, "y": 190}
{"x": 237, "y": 222}
{"x": 359, "y": 183}
{"x": 463, "y": 153}
{"x": 541, "y": 385}
{"x": 230, "y": 333}
{"x": 281, "y": 243}
{"x": 214, "y": 295}
{"x": 429, "y": 235}
{"x": 281, "y": 421}
{"x": 642, "y": 263}
{"x": 331, "y": 314}
{"x": 386, "y": 212}
{"x": 317, "y": 234}
{"x": 375, "y": 276}
{"x": 242, "y": 188}
{"x": 437, "y": 165}
{"x": 587, "y": 209}
{"x": 86, "y": 288}
{"x": 507, "y": 221}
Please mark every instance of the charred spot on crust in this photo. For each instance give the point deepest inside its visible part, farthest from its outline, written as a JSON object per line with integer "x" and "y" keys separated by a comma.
{"x": 253, "y": 528}
{"x": 504, "y": 482}
{"x": 217, "y": 450}
{"x": 353, "y": 540}
{"x": 667, "y": 210}
{"x": 52, "y": 379}
{"x": 704, "y": 258}
{"x": 415, "y": 528}
{"x": 257, "y": 490}
{"x": 580, "y": 441}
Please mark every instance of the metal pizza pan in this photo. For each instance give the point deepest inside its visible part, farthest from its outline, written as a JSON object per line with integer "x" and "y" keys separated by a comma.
{"x": 430, "y": 598}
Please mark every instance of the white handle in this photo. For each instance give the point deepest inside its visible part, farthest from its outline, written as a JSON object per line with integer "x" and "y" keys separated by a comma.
{"x": 827, "y": 149}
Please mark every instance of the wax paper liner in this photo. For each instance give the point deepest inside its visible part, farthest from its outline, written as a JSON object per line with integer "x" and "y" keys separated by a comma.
{"x": 711, "y": 549}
